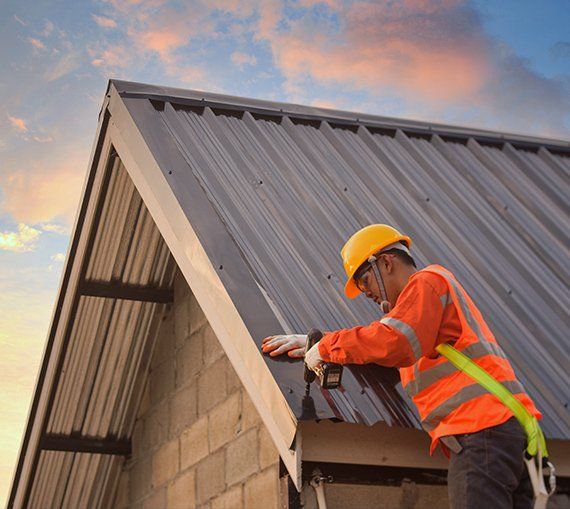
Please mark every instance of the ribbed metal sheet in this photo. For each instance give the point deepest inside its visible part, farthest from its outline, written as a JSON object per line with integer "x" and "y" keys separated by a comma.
{"x": 101, "y": 376}
{"x": 291, "y": 189}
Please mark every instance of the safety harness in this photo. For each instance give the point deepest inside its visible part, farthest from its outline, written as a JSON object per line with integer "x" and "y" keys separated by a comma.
{"x": 536, "y": 454}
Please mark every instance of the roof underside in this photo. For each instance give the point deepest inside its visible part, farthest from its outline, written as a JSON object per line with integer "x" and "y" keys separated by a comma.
{"x": 291, "y": 186}
{"x": 105, "y": 363}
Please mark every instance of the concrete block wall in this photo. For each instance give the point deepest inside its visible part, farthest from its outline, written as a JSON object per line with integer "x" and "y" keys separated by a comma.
{"x": 198, "y": 441}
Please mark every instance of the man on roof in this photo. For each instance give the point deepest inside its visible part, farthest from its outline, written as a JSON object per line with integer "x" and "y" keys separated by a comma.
{"x": 423, "y": 309}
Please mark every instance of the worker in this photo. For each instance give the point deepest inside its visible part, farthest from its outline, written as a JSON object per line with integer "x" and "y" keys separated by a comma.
{"x": 423, "y": 309}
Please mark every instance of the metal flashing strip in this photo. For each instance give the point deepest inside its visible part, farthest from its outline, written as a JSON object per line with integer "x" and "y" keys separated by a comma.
{"x": 134, "y": 90}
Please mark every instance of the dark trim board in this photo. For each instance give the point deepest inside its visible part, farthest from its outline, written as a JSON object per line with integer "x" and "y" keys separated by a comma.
{"x": 109, "y": 445}
{"x": 126, "y": 292}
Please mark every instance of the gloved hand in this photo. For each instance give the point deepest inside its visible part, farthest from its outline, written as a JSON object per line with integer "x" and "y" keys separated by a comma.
{"x": 313, "y": 357}
{"x": 293, "y": 344}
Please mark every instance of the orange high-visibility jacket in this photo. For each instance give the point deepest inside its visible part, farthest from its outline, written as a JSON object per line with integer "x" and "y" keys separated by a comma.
{"x": 432, "y": 309}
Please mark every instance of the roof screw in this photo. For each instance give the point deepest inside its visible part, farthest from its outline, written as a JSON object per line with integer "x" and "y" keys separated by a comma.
{"x": 346, "y": 189}
{"x": 221, "y": 267}
{"x": 427, "y": 199}
{"x": 510, "y": 292}
{"x": 170, "y": 172}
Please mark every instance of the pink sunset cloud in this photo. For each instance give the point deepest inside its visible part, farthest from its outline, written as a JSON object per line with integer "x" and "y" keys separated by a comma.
{"x": 36, "y": 43}
{"x": 18, "y": 123}
{"x": 104, "y": 21}
{"x": 49, "y": 191}
{"x": 433, "y": 54}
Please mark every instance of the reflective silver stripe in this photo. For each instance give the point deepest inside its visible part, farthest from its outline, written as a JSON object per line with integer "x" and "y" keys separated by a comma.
{"x": 407, "y": 331}
{"x": 423, "y": 379}
{"x": 434, "y": 418}
{"x": 444, "y": 300}
{"x": 474, "y": 324}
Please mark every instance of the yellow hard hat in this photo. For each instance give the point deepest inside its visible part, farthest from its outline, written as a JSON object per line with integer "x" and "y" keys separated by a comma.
{"x": 364, "y": 243}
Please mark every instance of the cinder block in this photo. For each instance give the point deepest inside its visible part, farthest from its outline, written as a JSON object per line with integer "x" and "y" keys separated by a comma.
{"x": 224, "y": 422}
{"x": 156, "y": 500}
{"x": 156, "y": 426}
{"x": 231, "y": 499}
{"x": 165, "y": 463}
{"x": 249, "y": 415}
{"x": 268, "y": 454}
{"x": 211, "y": 386}
{"x": 233, "y": 382}
{"x": 197, "y": 317}
{"x": 140, "y": 479}
{"x": 189, "y": 360}
{"x": 210, "y": 477}
{"x": 262, "y": 490}
{"x": 212, "y": 348}
{"x": 194, "y": 443}
{"x": 242, "y": 457}
{"x": 183, "y": 409}
{"x": 164, "y": 346}
{"x": 161, "y": 381}
{"x": 429, "y": 497}
{"x": 181, "y": 493}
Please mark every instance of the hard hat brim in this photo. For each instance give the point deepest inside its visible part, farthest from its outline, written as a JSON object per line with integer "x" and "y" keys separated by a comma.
{"x": 350, "y": 289}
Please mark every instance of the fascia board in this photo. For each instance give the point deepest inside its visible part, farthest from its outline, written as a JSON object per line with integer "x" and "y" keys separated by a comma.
{"x": 197, "y": 268}
{"x": 379, "y": 445}
{"x": 383, "y": 445}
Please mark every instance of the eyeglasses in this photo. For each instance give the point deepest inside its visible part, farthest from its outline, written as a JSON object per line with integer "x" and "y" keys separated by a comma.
{"x": 361, "y": 277}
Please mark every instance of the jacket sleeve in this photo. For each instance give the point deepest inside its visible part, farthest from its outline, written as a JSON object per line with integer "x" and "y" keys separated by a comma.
{"x": 400, "y": 338}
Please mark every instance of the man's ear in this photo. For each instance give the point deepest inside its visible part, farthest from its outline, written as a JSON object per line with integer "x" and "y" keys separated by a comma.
{"x": 388, "y": 262}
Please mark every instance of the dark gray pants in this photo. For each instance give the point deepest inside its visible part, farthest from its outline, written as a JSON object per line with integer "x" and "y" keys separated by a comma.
{"x": 489, "y": 471}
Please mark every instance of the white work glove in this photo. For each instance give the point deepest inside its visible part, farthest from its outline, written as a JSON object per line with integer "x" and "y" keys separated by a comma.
{"x": 293, "y": 344}
{"x": 313, "y": 358}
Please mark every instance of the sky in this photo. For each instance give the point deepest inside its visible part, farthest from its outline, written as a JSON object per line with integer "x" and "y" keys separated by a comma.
{"x": 497, "y": 65}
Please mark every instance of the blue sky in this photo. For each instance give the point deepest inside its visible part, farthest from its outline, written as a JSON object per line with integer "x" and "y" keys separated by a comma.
{"x": 498, "y": 65}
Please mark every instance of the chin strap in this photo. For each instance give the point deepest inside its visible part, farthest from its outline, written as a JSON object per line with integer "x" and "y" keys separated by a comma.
{"x": 385, "y": 304}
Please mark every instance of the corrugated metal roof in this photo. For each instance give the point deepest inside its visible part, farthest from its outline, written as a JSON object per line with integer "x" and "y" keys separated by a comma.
{"x": 291, "y": 186}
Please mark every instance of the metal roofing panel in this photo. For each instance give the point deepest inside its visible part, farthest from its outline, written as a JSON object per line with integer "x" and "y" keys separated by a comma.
{"x": 290, "y": 188}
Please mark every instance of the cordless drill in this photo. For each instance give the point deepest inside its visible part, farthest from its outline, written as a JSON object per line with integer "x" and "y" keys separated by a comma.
{"x": 330, "y": 375}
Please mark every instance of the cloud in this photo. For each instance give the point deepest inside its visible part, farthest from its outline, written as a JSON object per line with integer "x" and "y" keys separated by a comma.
{"x": 55, "y": 228}
{"x": 18, "y": 123}
{"x": 42, "y": 139}
{"x": 46, "y": 190}
{"x": 21, "y": 241}
{"x": 433, "y": 55}
{"x": 104, "y": 22}
{"x": 66, "y": 64}
{"x": 48, "y": 28}
{"x": 36, "y": 43}
{"x": 58, "y": 257}
{"x": 242, "y": 59}
{"x": 20, "y": 20}
{"x": 110, "y": 58}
